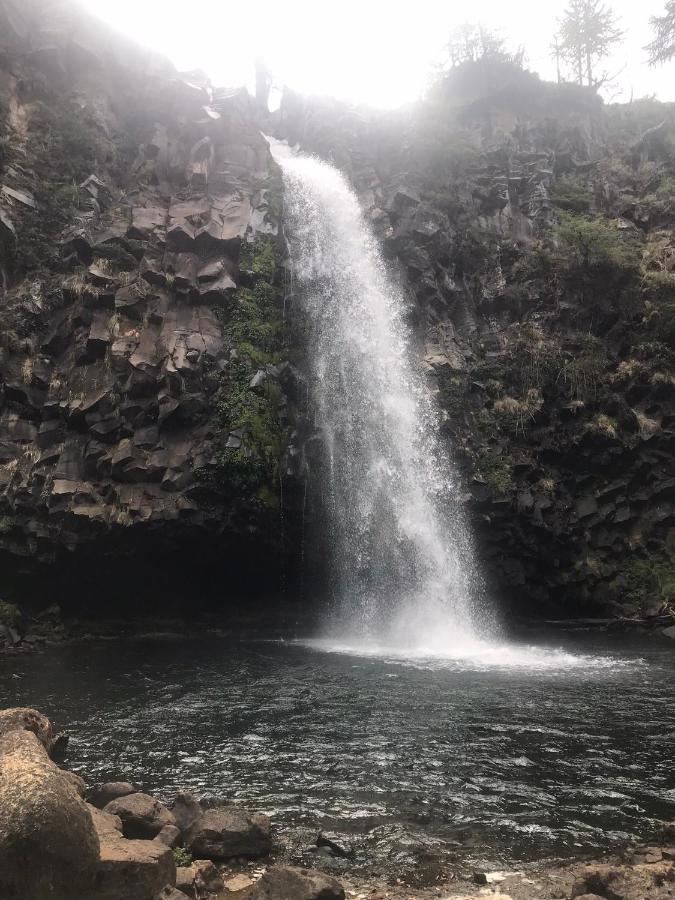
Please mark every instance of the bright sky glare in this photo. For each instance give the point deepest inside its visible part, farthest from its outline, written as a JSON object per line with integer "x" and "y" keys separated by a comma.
{"x": 376, "y": 52}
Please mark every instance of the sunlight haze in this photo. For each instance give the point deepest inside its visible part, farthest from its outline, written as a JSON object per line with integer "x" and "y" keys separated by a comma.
{"x": 376, "y": 53}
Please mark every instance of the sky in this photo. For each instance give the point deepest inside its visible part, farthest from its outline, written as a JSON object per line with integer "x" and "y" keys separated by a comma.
{"x": 380, "y": 53}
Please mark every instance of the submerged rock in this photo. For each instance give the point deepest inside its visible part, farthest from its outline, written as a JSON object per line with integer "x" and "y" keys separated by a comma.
{"x": 335, "y": 845}
{"x": 290, "y": 883}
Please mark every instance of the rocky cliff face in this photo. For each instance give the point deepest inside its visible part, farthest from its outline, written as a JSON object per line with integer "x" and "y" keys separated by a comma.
{"x": 151, "y": 433}
{"x": 144, "y": 411}
{"x": 533, "y": 230}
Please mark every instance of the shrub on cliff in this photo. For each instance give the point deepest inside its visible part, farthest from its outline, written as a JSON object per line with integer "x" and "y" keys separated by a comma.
{"x": 599, "y": 265}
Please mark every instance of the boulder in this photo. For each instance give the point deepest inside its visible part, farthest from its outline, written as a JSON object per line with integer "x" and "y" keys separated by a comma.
{"x": 49, "y": 848}
{"x": 186, "y": 810}
{"x": 290, "y": 883}
{"x": 170, "y": 836}
{"x": 131, "y": 870}
{"x": 227, "y": 832}
{"x": 110, "y": 791}
{"x": 185, "y": 880}
{"x": 23, "y": 718}
{"x": 106, "y": 824}
{"x": 207, "y": 877}
{"x": 75, "y": 781}
{"x": 142, "y": 816}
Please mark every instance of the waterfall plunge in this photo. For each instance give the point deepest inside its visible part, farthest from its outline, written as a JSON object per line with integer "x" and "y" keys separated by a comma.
{"x": 404, "y": 572}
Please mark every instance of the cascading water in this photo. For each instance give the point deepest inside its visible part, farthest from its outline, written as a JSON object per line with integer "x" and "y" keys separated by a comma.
{"x": 404, "y": 569}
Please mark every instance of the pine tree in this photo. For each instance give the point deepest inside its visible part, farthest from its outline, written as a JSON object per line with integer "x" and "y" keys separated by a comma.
{"x": 586, "y": 34}
{"x": 662, "y": 48}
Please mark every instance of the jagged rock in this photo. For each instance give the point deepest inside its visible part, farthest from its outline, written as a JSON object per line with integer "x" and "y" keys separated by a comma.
{"x": 134, "y": 870}
{"x": 289, "y": 883}
{"x": 227, "y": 832}
{"x": 142, "y": 816}
{"x": 48, "y": 844}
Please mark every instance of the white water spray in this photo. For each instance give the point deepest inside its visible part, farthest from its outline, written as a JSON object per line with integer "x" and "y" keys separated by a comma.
{"x": 404, "y": 569}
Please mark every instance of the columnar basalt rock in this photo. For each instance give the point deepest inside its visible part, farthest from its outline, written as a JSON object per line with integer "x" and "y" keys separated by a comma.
{"x": 115, "y": 338}
{"x": 553, "y": 374}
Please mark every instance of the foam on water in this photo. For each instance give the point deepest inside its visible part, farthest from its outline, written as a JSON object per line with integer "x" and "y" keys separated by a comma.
{"x": 477, "y": 656}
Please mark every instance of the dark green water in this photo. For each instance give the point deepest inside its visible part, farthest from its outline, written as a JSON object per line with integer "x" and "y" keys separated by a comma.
{"x": 549, "y": 759}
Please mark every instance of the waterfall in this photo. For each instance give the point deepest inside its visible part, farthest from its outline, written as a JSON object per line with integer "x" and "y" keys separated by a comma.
{"x": 404, "y": 572}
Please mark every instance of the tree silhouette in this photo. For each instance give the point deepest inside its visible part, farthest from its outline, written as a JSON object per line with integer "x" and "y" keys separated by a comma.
{"x": 662, "y": 48}
{"x": 470, "y": 43}
{"x": 586, "y": 34}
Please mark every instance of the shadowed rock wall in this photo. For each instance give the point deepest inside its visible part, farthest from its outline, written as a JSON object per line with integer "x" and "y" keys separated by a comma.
{"x": 139, "y": 214}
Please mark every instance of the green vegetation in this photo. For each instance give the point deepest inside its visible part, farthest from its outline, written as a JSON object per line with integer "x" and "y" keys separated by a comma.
{"x": 6, "y": 524}
{"x": 253, "y": 329}
{"x": 10, "y": 615}
{"x": 182, "y": 857}
{"x": 65, "y": 146}
{"x": 571, "y": 194}
{"x": 659, "y": 293}
{"x": 650, "y": 580}
{"x": 496, "y": 469}
{"x": 599, "y": 264}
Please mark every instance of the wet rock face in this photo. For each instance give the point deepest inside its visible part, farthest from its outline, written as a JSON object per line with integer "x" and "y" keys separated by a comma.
{"x": 553, "y": 378}
{"x": 116, "y": 345}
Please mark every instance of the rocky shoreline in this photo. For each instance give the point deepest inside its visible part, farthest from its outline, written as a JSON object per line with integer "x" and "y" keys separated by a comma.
{"x": 60, "y": 839}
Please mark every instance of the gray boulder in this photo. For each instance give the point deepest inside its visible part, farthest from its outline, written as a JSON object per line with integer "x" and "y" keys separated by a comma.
{"x": 49, "y": 848}
{"x": 290, "y": 883}
{"x": 142, "y": 816}
{"x": 186, "y": 810}
{"x": 227, "y": 832}
{"x": 110, "y": 791}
